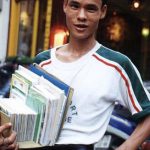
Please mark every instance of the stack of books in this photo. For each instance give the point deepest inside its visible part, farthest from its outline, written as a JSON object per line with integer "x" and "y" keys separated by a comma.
{"x": 37, "y": 105}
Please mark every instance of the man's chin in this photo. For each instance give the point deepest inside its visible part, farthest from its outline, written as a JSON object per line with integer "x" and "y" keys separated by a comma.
{"x": 81, "y": 37}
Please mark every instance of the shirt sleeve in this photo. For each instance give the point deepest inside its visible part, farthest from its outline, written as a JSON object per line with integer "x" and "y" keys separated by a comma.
{"x": 42, "y": 56}
{"x": 131, "y": 91}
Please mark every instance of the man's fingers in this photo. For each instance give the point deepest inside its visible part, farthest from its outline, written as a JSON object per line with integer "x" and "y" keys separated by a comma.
{"x": 13, "y": 146}
{"x": 6, "y": 142}
{"x": 11, "y": 138}
{"x": 5, "y": 126}
{"x": 10, "y": 142}
{"x": 17, "y": 147}
{"x": 1, "y": 141}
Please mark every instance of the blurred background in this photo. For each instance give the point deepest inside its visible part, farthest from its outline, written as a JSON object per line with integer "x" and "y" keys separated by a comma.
{"x": 28, "y": 27}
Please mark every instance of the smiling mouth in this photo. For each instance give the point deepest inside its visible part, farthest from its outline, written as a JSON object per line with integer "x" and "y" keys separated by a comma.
{"x": 81, "y": 27}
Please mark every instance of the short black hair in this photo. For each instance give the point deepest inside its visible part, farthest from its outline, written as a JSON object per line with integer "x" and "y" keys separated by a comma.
{"x": 104, "y": 2}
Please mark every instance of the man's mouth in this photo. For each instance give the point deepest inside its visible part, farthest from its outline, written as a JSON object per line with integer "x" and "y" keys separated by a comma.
{"x": 81, "y": 27}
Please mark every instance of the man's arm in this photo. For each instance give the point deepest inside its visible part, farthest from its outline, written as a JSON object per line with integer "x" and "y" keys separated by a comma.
{"x": 141, "y": 132}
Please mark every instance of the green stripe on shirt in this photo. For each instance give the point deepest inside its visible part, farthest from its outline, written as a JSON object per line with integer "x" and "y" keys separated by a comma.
{"x": 137, "y": 87}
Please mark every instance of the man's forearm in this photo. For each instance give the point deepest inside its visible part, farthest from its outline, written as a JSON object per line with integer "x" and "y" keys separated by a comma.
{"x": 141, "y": 132}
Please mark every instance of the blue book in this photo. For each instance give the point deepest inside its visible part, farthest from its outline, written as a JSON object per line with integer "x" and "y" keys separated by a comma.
{"x": 57, "y": 82}
{"x": 48, "y": 101}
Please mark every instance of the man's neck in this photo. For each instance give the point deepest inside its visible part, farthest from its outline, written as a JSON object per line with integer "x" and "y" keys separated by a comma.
{"x": 80, "y": 47}
{"x": 74, "y": 50}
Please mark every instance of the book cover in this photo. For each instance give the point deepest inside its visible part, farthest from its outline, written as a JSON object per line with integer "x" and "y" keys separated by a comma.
{"x": 57, "y": 82}
{"x": 22, "y": 117}
{"x": 47, "y": 96}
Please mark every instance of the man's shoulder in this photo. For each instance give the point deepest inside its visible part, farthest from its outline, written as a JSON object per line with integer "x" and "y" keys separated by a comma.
{"x": 113, "y": 56}
{"x": 42, "y": 56}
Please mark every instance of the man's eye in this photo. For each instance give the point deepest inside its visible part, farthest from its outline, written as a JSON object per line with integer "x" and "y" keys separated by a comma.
{"x": 74, "y": 6}
{"x": 92, "y": 9}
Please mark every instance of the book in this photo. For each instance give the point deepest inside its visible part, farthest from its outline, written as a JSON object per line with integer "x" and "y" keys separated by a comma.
{"x": 4, "y": 118}
{"x": 21, "y": 81}
{"x": 37, "y": 102}
{"x": 53, "y": 79}
{"x": 22, "y": 117}
{"x": 57, "y": 82}
{"x": 51, "y": 124}
{"x": 46, "y": 96}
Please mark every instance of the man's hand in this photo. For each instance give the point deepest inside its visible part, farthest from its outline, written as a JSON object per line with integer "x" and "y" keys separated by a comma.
{"x": 127, "y": 146}
{"x": 140, "y": 134}
{"x": 146, "y": 146}
{"x": 9, "y": 142}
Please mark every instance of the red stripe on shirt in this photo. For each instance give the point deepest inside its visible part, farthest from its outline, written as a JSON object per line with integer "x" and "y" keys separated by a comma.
{"x": 45, "y": 63}
{"x": 124, "y": 78}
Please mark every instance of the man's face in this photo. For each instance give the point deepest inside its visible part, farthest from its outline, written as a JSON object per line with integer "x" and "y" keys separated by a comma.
{"x": 82, "y": 17}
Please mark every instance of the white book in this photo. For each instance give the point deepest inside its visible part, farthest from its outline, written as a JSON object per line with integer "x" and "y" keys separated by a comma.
{"x": 21, "y": 81}
{"x": 22, "y": 117}
{"x": 46, "y": 96}
{"x": 49, "y": 138}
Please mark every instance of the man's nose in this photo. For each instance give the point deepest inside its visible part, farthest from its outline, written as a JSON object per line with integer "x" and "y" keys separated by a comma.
{"x": 82, "y": 15}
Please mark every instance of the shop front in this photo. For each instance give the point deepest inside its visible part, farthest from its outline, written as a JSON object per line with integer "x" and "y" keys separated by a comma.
{"x": 29, "y": 27}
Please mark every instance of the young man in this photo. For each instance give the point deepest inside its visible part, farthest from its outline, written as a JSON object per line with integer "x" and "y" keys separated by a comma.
{"x": 100, "y": 77}
{"x": 7, "y": 143}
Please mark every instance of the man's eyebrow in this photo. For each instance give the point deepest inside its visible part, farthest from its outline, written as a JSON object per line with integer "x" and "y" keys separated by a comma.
{"x": 73, "y": 2}
{"x": 92, "y": 6}
{"x": 88, "y": 5}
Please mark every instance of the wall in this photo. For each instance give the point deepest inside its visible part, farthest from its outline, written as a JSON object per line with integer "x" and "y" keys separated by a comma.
{"x": 4, "y": 27}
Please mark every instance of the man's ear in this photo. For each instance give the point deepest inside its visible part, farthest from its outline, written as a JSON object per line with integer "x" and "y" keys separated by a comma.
{"x": 65, "y": 5}
{"x": 103, "y": 11}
